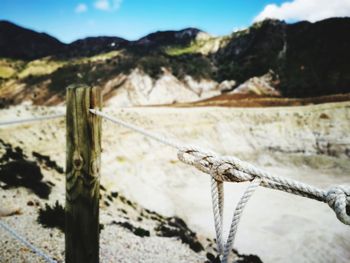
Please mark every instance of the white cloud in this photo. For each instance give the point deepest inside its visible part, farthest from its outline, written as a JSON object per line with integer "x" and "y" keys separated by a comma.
{"x": 107, "y": 5}
{"x": 311, "y": 10}
{"x": 81, "y": 8}
{"x": 102, "y": 4}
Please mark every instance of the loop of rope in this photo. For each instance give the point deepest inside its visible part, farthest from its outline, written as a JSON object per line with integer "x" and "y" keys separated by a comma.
{"x": 218, "y": 210}
{"x": 237, "y": 216}
{"x": 231, "y": 169}
{"x": 338, "y": 198}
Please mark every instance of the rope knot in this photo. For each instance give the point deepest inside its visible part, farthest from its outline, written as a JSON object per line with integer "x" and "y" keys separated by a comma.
{"x": 222, "y": 169}
{"x": 203, "y": 161}
{"x": 338, "y": 198}
{"x": 226, "y": 171}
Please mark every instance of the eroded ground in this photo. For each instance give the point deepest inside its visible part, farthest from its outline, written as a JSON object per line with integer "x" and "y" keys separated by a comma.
{"x": 308, "y": 143}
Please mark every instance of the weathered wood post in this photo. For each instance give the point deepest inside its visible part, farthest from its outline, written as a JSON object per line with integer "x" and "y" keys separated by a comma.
{"x": 83, "y": 158}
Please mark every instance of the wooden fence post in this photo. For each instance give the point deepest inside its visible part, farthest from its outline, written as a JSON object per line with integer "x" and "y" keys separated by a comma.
{"x": 83, "y": 158}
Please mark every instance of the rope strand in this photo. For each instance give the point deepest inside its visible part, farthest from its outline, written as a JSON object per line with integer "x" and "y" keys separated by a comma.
{"x": 217, "y": 194}
{"x": 41, "y": 118}
{"x": 148, "y": 134}
{"x": 237, "y": 216}
{"x": 22, "y": 240}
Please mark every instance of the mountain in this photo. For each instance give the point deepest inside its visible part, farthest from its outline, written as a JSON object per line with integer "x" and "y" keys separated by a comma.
{"x": 317, "y": 58}
{"x": 95, "y": 45}
{"x": 21, "y": 43}
{"x": 305, "y": 60}
{"x": 181, "y": 37}
{"x": 310, "y": 58}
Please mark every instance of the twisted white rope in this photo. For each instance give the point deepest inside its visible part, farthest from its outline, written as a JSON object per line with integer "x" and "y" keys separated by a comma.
{"x": 237, "y": 216}
{"x": 40, "y": 118}
{"x": 217, "y": 195}
{"x": 21, "y": 239}
{"x": 231, "y": 169}
{"x": 148, "y": 134}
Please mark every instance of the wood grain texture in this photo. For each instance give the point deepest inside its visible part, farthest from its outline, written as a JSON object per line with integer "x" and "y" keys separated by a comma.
{"x": 83, "y": 159}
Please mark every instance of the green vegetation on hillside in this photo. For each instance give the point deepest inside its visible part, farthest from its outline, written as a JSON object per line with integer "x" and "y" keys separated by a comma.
{"x": 202, "y": 46}
{"x": 9, "y": 68}
{"x": 179, "y": 50}
{"x": 40, "y": 67}
{"x": 6, "y": 71}
{"x": 97, "y": 69}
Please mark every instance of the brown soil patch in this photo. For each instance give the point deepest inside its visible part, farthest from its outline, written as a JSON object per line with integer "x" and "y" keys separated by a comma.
{"x": 245, "y": 100}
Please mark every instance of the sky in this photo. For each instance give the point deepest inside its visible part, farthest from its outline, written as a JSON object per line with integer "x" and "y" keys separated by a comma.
{"x": 69, "y": 20}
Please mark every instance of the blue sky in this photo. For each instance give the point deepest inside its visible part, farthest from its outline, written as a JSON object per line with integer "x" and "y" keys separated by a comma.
{"x": 69, "y": 20}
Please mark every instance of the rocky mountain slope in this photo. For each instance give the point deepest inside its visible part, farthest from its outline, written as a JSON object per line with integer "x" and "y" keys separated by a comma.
{"x": 306, "y": 60}
{"x": 21, "y": 43}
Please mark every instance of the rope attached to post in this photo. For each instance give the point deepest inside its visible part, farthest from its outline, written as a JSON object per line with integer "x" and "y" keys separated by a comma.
{"x": 129, "y": 126}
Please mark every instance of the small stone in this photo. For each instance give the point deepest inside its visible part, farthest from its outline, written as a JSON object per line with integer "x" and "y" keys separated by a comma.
{"x": 10, "y": 211}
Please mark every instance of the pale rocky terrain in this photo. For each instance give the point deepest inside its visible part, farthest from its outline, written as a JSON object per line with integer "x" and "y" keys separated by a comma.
{"x": 262, "y": 86}
{"x": 138, "y": 88}
{"x": 309, "y": 143}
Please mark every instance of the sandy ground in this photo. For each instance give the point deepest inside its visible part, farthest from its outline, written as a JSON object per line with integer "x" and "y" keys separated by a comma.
{"x": 116, "y": 244}
{"x": 308, "y": 143}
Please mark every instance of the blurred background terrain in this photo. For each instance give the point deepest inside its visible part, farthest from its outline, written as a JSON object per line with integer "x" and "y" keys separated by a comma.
{"x": 268, "y": 59}
{"x": 266, "y": 82}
